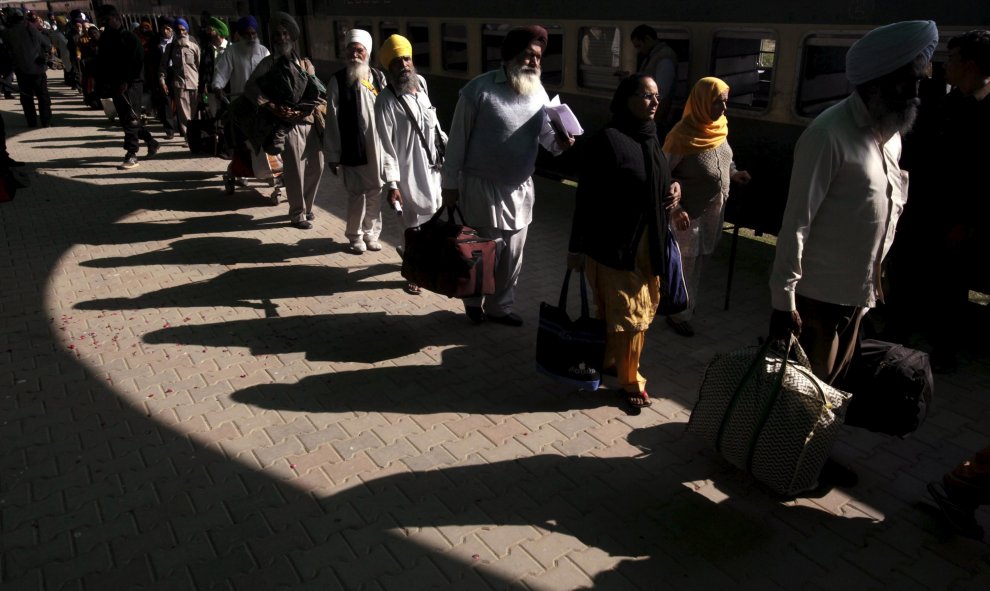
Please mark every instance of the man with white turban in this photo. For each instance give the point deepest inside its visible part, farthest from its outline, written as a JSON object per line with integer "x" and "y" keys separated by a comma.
{"x": 351, "y": 143}
{"x": 846, "y": 193}
{"x": 411, "y": 139}
{"x": 302, "y": 157}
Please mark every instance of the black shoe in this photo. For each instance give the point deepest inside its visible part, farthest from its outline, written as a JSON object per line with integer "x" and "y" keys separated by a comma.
{"x": 10, "y": 162}
{"x": 475, "y": 313}
{"x": 153, "y": 147}
{"x": 681, "y": 327}
{"x": 130, "y": 161}
{"x": 302, "y": 225}
{"x": 169, "y": 135}
{"x": 7, "y": 95}
{"x": 310, "y": 216}
{"x": 509, "y": 319}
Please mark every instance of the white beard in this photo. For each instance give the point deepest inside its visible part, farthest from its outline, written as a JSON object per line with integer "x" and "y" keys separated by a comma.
{"x": 523, "y": 82}
{"x": 357, "y": 72}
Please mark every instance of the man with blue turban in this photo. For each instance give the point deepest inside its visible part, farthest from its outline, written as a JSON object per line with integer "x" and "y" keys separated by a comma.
{"x": 846, "y": 193}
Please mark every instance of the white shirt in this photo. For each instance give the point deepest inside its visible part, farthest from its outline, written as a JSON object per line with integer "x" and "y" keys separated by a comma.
{"x": 236, "y": 64}
{"x": 367, "y": 177}
{"x": 846, "y": 194}
{"x": 405, "y": 163}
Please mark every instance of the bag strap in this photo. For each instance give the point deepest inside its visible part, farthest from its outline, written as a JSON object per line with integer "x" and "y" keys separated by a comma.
{"x": 415, "y": 123}
{"x": 562, "y": 301}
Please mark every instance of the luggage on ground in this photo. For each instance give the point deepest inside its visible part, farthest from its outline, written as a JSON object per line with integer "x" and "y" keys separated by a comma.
{"x": 448, "y": 258}
{"x": 892, "y": 388}
{"x": 205, "y": 136}
{"x": 570, "y": 351}
{"x": 769, "y": 415}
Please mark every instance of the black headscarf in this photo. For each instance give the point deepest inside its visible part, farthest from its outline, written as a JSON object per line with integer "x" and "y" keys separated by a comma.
{"x": 622, "y": 119}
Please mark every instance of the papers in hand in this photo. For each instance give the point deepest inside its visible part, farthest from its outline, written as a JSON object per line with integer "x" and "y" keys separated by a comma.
{"x": 562, "y": 118}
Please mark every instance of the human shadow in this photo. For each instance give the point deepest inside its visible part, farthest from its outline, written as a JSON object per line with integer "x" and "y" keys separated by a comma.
{"x": 129, "y": 232}
{"x": 245, "y": 287}
{"x": 430, "y": 386}
{"x": 221, "y": 250}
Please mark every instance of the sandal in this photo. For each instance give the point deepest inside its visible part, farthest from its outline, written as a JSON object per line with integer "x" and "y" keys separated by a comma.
{"x": 412, "y": 289}
{"x": 638, "y": 399}
{"x": 681, "y": 327}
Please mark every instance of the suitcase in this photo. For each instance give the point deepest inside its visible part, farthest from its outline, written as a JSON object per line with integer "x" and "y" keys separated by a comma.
{"x": 769, "y": 415}
{"x": 892, "y": 388}
{"x": 448, "y": 258}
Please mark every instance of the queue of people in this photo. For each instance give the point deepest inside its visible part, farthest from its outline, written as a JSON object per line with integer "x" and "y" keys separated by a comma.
{"x": 378, "y": 130}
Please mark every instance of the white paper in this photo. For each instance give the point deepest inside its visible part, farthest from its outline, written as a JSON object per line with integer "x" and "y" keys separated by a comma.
{"x": 562, "y": 117}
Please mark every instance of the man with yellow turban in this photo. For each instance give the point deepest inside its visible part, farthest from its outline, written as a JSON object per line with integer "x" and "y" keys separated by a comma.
{"x": 411, "y": 139}
{"x": 351, "y": 141}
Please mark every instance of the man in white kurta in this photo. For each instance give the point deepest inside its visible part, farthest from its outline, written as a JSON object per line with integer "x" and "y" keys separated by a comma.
{"x": 410, "y": 158}
{"x": 351, "y": 141}
{"x": 499, "y": 124}
{"x": 235, "y": 65}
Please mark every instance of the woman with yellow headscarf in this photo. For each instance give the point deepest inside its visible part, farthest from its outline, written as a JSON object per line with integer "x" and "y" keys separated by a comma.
{"x": 701, "y": 160}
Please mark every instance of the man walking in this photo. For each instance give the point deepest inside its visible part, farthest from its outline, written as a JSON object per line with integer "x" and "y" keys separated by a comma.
{"x": 409, "y": 133}
{"x": 29, "y": 50}
{"x": 302, "y": 157}
{"x": 180, "y": 64}
{"x": 217, "y": 33}
{"x": 846, "y": 194}
{"x": 120, "y": 66}
{"x": 235, "y": 65}
{"x": 658, "y": 61}
{"x": 499, "y": 124}
{"x": 352, "y": 144}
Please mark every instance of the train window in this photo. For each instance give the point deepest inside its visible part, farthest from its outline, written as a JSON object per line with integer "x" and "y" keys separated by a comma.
{"x": 745, "y": 61}
{"x": 552, "y": 63}
{"x": 454, "y": 47}
{"x": 419, "y": 36}
{"x": 340, "y": 29}
{"x": 823, "y": 74}
{"x": 598, "y": 57}
{"x": 387, "y": 29}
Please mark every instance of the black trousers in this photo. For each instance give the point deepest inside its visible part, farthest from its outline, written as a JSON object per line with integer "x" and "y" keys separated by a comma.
{"x": 31, "y": 86}
{"x": 128, "y": 108}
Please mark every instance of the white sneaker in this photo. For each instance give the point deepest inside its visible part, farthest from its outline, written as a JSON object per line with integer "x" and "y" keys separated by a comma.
{"x": 374, "y": 245}
{"x": 357, "y": 247}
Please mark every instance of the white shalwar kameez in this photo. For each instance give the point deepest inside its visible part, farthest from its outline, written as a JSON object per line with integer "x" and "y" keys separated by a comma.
{"x": 405, "y": 162}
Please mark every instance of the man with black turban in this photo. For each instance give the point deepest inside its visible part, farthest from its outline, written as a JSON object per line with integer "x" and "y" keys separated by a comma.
{"x": 846, "y": 193}
{"x": 499, "y": 124}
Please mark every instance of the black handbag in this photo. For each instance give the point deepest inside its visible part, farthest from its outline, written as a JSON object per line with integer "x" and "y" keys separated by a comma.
{"x": 570, "y": 351}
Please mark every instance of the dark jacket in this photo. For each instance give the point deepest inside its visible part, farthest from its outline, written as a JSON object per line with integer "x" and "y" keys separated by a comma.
{"x": 615, "y": 202}
{"x": 120, "y": 60}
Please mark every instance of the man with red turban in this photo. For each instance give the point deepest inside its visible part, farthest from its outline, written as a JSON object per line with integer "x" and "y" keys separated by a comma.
{"x": 499, "y": 123}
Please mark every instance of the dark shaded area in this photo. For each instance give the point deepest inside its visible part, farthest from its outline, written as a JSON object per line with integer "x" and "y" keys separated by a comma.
{"x": 224, "y": 251}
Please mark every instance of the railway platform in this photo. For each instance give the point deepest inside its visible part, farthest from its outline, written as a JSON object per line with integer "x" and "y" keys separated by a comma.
{"x": 195, "y": 395}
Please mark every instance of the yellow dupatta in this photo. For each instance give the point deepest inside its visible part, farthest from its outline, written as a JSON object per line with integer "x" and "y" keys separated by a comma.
{"x": 696, "y": 132}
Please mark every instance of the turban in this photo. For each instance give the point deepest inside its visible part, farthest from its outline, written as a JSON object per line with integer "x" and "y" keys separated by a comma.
{"x": 358, "y": 36}
{"x": 219, "y": 25}
{"x": 283, "y": 19}
{"x": 518, "y": 40}
{"x": 885, "y": 49}
{"x": 164, "y": 21}
{"x": 395, "y": 46}
{"x": 246, "y": 22}
{"x": 181, "y": 22}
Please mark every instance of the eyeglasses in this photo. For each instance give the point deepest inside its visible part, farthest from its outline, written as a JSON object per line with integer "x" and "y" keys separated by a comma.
{"x": 649, "y": 96}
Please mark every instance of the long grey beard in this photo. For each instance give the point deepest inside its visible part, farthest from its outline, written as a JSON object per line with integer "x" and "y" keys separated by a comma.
{"x": 357, "y": 72}
{"x": 524, "y": 82}
{"x": 407, "y": 83}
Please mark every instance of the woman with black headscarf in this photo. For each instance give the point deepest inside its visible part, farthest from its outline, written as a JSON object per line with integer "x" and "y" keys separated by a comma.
{"x": 616, "y": 235}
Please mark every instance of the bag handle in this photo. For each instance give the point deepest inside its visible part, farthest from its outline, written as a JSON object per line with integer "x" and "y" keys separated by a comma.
{"x": 562, "y": 301}
{"x": 453, "y": 212}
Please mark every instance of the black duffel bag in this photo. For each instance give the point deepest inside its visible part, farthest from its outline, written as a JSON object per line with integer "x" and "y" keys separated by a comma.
{"x": 892, "y": 388}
